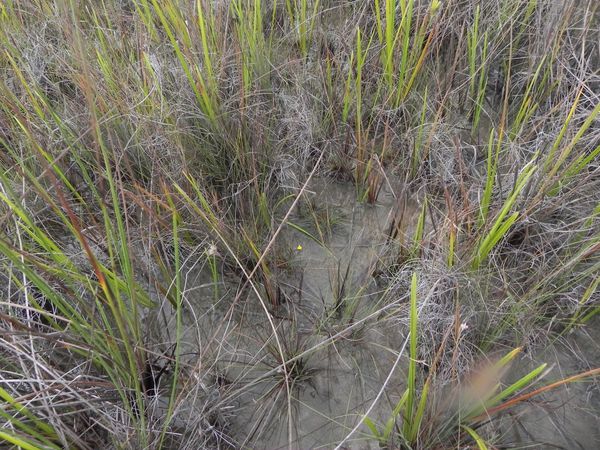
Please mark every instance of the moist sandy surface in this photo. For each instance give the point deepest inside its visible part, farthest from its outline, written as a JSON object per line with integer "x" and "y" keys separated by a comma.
{"x": 352, "y": 358}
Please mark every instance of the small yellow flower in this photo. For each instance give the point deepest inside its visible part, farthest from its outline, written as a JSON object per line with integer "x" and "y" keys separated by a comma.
{"x": 299, "y": 248}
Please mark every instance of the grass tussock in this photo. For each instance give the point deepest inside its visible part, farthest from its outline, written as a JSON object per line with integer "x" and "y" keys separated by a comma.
{"x": 176, "y": 177}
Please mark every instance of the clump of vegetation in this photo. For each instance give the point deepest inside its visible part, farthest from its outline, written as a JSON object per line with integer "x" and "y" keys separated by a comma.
{"x": 173, "y": 183}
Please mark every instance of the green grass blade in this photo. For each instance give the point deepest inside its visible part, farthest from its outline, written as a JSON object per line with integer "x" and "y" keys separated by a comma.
{"x": 478, "y": 439}
{"x": 410, "y": 430}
